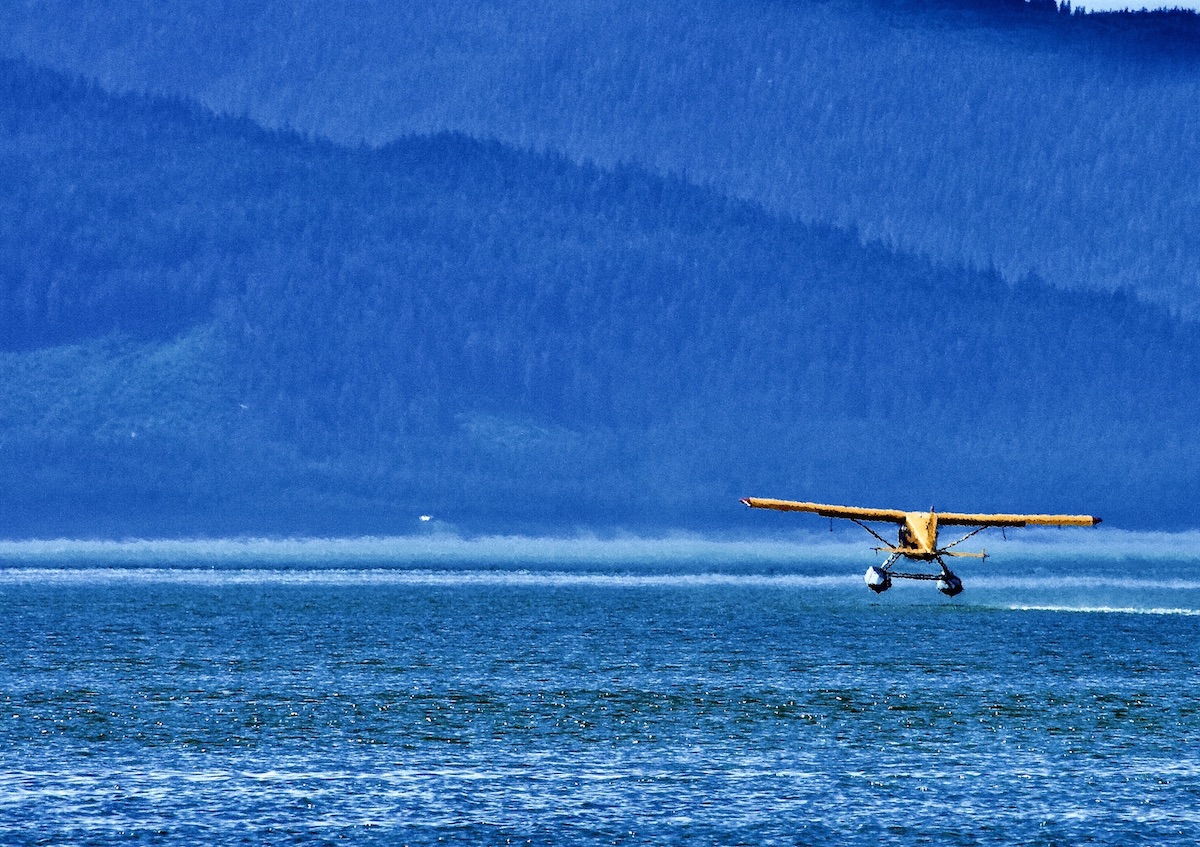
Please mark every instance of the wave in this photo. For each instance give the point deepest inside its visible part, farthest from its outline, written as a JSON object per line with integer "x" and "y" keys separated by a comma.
{"x": 1104, "y": 610}
{"x": 528, "y": 578}
{"x": 432, "y": 548}
{"x": 440, "y": 545}
{"x": 1084, "y": 582}
{"x": 406, "y": 577}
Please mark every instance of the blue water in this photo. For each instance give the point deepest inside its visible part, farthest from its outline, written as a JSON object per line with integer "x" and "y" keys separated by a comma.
{"x": 615, "y": 703}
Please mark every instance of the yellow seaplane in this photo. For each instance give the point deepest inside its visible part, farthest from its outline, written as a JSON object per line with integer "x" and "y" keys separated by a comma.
{"x": 918, "y": 539}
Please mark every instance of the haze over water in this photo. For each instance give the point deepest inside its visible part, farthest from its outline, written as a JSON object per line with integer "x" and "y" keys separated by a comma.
{"x": 692, "y": 698}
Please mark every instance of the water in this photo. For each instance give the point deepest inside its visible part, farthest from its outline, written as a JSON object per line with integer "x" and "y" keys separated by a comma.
{"x": 680, "y": 701}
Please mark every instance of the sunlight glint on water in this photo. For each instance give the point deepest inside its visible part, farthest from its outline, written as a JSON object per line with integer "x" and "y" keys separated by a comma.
{"x": 609, "y": 703}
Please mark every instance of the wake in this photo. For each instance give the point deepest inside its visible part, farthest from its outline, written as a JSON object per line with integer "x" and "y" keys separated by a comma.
{"x": 1104, "y": 610}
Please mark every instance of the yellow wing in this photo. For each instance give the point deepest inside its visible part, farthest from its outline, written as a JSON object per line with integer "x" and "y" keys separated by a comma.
{"x": 898, "y": 515}
{"x": 826, "y": 510}
{"x": 958, "y": 519}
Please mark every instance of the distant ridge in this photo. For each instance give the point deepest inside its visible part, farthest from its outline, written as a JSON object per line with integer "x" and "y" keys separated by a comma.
{"x": 1003, "y": 135}
{"x": 215, "y": 328}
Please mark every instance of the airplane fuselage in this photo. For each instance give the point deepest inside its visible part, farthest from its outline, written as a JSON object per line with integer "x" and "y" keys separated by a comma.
{"x": 918, "y": 535}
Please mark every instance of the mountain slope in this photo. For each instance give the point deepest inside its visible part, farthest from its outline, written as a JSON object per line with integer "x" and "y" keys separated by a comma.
{"x": 980, "y": 133}
{"x": 237, "y": 329}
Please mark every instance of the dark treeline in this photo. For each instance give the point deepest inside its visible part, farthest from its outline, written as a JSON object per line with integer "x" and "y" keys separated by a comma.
{"x": 992, "y": 133}
{"x": 211, "y": 327}
{"x": 1132, "y": 26}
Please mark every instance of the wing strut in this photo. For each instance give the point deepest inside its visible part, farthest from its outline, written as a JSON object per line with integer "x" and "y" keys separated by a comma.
{"x": 965, "y": 537}
{"x": 882, "y": 540}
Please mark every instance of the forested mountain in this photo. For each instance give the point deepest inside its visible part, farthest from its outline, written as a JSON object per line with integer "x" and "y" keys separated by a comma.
{"x": 993, "y": 133}
{"x": 211, "y": 327}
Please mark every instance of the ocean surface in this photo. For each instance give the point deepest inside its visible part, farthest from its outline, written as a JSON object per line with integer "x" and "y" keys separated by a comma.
{"x": 694, "y": 698}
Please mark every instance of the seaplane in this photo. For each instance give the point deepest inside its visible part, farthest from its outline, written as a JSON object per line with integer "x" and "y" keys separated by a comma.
{"x": 918, "y": 537}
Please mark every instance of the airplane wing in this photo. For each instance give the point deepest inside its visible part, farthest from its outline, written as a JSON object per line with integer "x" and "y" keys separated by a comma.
{"x": 897, "y": 515}
{"x": 828, "y": 511}
{"x": 957, "y": 519}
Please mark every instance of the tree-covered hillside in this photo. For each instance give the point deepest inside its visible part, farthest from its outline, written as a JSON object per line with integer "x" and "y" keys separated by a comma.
{"x": 212, "y": 327}
{"x": 995, "y": 133}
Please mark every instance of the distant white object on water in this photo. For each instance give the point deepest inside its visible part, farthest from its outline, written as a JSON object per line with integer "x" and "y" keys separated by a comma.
{"x": 426, "y": 517}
